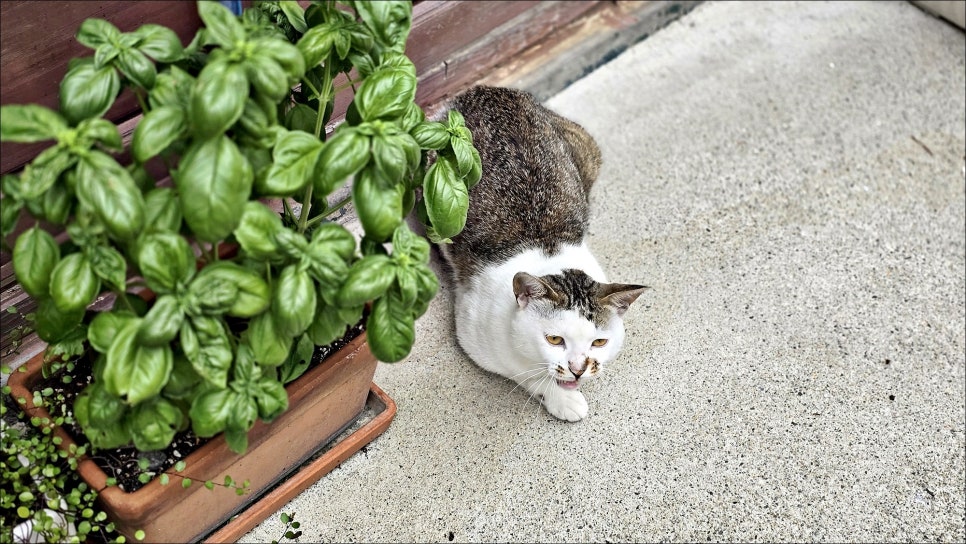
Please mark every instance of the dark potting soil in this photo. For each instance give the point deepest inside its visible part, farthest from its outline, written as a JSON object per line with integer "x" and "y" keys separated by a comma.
{"x": 124, "y": 464}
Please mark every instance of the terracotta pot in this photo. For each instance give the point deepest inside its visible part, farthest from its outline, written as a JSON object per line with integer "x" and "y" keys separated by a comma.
{"x": 322, "y": 402}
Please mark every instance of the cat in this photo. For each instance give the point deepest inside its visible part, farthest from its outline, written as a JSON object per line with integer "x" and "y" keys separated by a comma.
{"x": 531, "y": 301}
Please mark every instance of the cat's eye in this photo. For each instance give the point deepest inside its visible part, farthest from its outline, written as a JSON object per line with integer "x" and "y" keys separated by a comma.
{"x": 554, "y": 340}
{"x": 599, "y": 342}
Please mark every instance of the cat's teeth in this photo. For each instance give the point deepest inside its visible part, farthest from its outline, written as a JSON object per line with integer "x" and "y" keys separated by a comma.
{"x": 574, "y": 384}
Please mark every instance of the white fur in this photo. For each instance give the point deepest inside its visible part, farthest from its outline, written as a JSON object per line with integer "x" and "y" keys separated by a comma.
{"x": 504, "y": 338}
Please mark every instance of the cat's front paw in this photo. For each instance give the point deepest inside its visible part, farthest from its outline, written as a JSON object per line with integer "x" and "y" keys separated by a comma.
{"x": 566, "y": 405}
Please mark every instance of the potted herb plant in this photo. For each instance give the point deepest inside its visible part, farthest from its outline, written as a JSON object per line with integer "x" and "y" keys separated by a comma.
{"x": 216, "y": 282}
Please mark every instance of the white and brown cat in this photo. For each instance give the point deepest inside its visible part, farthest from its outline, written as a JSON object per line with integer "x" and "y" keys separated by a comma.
{"x": 532, "y": 302}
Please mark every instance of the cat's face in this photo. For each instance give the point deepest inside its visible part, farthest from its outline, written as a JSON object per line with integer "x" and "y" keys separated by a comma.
{"x": 572, "y": 348}
{"x": 569, "y": 324}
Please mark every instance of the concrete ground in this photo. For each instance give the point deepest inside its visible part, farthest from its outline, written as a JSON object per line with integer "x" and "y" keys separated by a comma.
{"x": 789, "y": 178}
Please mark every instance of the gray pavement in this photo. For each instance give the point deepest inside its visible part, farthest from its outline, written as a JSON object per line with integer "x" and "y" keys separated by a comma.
{"x": 789, "y": 178}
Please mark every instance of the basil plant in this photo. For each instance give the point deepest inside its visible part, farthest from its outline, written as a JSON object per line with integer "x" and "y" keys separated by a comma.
{"x": 245, "y": 270}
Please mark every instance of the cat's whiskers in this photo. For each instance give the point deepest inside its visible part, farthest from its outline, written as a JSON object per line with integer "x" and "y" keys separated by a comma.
{"x": 526, "y": 375}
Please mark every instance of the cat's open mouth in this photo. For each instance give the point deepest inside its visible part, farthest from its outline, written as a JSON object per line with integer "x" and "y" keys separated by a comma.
{"x": 568, "y": 384}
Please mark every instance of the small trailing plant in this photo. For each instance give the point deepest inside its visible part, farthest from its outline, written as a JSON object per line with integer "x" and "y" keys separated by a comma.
{"x": 43, "y": 498}
{"x": 291, "y": 530}
{"x": 247, "y": 271}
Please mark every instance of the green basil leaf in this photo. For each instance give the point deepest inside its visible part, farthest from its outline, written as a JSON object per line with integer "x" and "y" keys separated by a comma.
{"x": 218, "y": 98}
{"x": 136, "y": 66}
{"x": 428, "y": 285}
{"x": 301, "y": 117}
{"x": 295, "y": 156}
{"x": 414, "y": 115}
{"x": 104, "y": 328}
{"x": 153, "y": 424}
{"x": 183, "y": 379}
{"x": 316, "y": 43}
{"x": 292, "y": 244}
{"x": 135, "y": 372}
{"x": 368, "y": 279}
{"x": 157, "y": 130}
{"x": 35, "y": 255}
{"x": 390, "y": 329}
{"x": 73, "y": 283}
{"x": 250, "y": 293}
{"x": 162, "y": 212}
{"x": 447, "y": 199}
{"x": 431, "y": 135}
{"x": 476, "y": 170}
{"x": 94, "y": 404}
{"x": 57, "y": 204}
{"x": 455, "y": 120}
{"x": 341, "y": 156}
{"x": 244, "y": 370}
{"x": 166, "y": 261}
{"x": 335, "y": 238}
{"x": 102, "y": 131}
{"x": 105, "y": 53}
{"x": 330, "y": 322}
{"x": 463, "y": 151}
{"x": 205, "y": 343}
{"x": 221, "y": 24}
{"x": 255, "y": 123}
{"x": 214, "y": 182}
{"x": 295, "y": 14}
{"x": 331, "y": 248}
{"x": 407, "y": 285}
{"x": 87, "y": 91}
{"x": 269, "y": 346}
{"x": 242, "y": 418}
{"x": 97, "y": 407}
{"x": 267, "y": 76}
{"x": 29, "y": 123}
{"x": 378, "y": 204}
{"x": 271, "y": 398}
{"x": 142, "y": 178}
{"x": 406, "y": 243}
{"x": 109, "y": 265}
{"x": 162, "y": 322}
{"x": 41, "y": 174}
{"x": 298, "y": 361}
{"x": 108, "y": 189}
{"x": 51, "y": 323}
{"x": 385, "y": 94}
{"x": 95, "y": 32}
{"x": 389, "y": 22}
{"x": 257, "y": 230}
{"x": 173, "y": 88}
{"x": 159, "y": 42}
{"x": 286, "y": 55}
{"x": 389, "y": 156}
{"x": 9, "y": 214}
{"x": 237, "y": 439}
{"x": 211, "y": 410}
{"x": 293, "y": 303}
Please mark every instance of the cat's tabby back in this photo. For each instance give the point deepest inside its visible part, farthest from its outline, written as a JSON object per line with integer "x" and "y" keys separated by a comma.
{"x": 532, "y": 303}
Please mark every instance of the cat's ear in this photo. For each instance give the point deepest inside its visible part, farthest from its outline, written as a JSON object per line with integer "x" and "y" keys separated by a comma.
{"x": 527, "y": 287}
{"x": 620, "y": 295}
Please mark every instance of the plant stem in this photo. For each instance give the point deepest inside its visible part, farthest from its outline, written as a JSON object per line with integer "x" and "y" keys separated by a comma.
{"x": 141, "y": 101}
{"x": 330, "y": 210}
{"x": 127, "y": 303}
{"x": 324, "y": 96}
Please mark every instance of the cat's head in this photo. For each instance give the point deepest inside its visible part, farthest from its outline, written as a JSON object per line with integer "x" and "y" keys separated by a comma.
{"x": 570, "y": 322}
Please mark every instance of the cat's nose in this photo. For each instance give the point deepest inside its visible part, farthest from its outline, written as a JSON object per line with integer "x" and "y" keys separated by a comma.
{"x": 578, "y": 368}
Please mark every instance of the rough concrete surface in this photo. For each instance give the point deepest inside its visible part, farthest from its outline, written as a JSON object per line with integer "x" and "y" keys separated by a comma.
{"x": 789, "y": 178}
